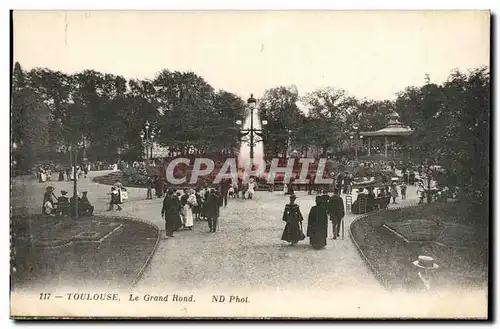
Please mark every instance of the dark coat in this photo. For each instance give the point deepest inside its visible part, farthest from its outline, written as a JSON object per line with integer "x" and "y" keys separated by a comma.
{"x": 170, "y": 212}
{"x": 317, "y": 225}
{"x": 336, "y": 208}
{"x": 212, "y": 204}
{"x": 293, "y": 228}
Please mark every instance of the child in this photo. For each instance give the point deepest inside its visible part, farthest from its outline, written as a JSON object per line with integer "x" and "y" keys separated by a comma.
{"x": 403, "y": 191}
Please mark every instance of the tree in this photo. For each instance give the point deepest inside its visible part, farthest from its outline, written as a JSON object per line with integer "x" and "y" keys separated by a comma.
{"x": 279, "y": 107}
{"x": 31, "y": 119}
{"x": 330, "y": 108}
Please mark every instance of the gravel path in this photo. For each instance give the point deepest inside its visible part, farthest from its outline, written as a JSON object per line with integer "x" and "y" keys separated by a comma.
{"x": 247, "y": 252}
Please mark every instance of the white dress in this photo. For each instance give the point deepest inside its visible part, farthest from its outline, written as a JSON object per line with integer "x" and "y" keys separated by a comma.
{"x": 251, "y": 188}
{"x": 188, "y": 211}
{"x": 115, "y": 167}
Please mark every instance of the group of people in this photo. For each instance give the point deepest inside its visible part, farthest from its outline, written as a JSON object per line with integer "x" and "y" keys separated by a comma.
{"x": 370, "y": 199}
{"x": 53, "y": 205}
{"x": 180, "y": 209}
{"x": 45, "y": 173}
{"x": 118, "y": 196}
{"x": 327, "y": 207}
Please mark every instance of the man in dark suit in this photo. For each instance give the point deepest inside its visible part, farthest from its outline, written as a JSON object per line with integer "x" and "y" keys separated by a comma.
{"x": 212, "y": 204}
{"x": 149, "y": 185}
{"x": 336, "y": 212}
{"x": 170, "y": 213}
{"x": 63, "y": 204}
{"x": 225, "y": 184}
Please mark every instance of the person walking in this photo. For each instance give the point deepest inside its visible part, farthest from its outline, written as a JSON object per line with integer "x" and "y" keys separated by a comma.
{"x": 317, "y": 223}
{"x": 212, "y": 204}
{"x": 188, "y": 209}
{"x": 337, "y": 212}
{"x": 293, "y": 218}
{"x": 149, "y": 186}
{"x": 394, "y": 192}
{"x": 251, "y": 188}
{"x": 225, "y": 184}
{"x": 170, "y": 213}
{"x": 115, "y": 199}
{"x": 403, "y": 191}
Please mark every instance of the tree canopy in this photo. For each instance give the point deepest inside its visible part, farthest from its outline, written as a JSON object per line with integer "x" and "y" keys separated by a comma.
{"x": 104, "y": 114}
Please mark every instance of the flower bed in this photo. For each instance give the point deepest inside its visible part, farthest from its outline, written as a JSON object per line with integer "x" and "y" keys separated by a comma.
{"x": 460, "y": 252}
{"x": 56, "y": 251}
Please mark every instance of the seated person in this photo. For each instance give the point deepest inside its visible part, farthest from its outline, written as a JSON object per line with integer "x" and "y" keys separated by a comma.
{"x": 49, "y": 208}
{"x": 73, "y": 205}
{"x": 63, "y": 204}
{"x": 370, "y": 202}
{"x": 361, "y": 197}
{"x": 85, "y": 207}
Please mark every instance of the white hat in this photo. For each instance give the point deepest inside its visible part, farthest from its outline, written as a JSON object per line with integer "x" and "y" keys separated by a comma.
{"x": 425, "y": 262}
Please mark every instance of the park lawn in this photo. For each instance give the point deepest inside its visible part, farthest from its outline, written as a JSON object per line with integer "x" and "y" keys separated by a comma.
{"x": 437, "y": 230}
{"x": 104, "y": 251}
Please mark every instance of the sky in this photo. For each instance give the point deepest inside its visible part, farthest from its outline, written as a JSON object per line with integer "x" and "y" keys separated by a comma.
{"x": 372, "y": 54}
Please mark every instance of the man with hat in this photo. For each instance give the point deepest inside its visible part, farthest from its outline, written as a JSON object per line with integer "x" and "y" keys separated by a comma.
{"x": 170, "y": 213}
{"x": 212, "y": 204}
{"x": 63, "y": 204}
{"x": 336, "y": 212}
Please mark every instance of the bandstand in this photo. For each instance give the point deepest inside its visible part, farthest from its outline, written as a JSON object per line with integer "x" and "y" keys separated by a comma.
{"x": 389, "y": 140}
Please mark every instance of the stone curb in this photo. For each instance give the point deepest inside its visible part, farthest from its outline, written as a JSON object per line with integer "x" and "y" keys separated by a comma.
{"x": 143, "y": 268}
{"x": 364, "y": 216}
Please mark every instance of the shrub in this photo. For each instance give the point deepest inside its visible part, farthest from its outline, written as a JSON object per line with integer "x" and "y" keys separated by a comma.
{"x": 138, "y": 175}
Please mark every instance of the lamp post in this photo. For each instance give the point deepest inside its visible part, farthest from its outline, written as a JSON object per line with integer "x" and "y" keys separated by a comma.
{"x": 429, "y": 179}
{"x": 147, "y": 140}
{"x": 252, "y": 131}
{"x": 75, "y": 187}
{"x": 359, "y": 137}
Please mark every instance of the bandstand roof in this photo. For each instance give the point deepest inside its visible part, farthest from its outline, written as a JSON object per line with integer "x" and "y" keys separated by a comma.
{"x": 395, "y": 128}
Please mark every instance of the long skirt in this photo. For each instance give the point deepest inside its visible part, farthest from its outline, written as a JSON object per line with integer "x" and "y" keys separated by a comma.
{"x": 317, "y": 238}
{"x": 292, "y": 233}
{"x": 188, "y": 216}
{"x": 176, "y": 221}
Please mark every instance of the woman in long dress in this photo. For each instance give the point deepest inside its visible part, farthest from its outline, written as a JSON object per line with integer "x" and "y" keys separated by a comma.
{"x": 251, "y": 188}
{"x": 188, "y": 210}
{"x": 293, "y": 218}
{"x": 317, "y": 223}
{"x": 394, "y": 192}
{"x": 49, "y": 200}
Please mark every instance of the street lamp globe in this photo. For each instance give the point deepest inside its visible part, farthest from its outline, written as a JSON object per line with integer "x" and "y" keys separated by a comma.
{"x": 142, "y": 134}
{"x": 252, "y": 102}
{"x": 239, "y": 123}
{"x": 264, "y": 122}
{"x": 147, "y": 125}
{"x": 152, "y": 135}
